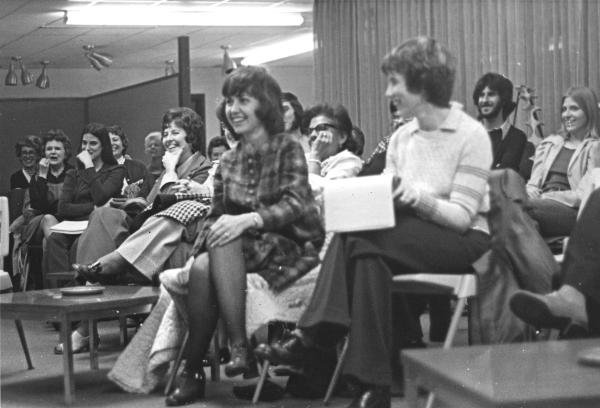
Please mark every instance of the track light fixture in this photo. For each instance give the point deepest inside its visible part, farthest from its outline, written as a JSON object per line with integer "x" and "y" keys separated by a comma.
{"x": 26, "y": 77}
{"x": 170, "y": 67}
{"x": 43, "y": 82}
{"x": 11, "y": 77}
{"x": 228, "y": 63}
{"x": 97, "y": 60}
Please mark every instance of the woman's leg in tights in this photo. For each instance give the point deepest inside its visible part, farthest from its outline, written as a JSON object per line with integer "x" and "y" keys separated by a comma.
{"x": 202, "y": 310}
{"x": 228, "y": 275}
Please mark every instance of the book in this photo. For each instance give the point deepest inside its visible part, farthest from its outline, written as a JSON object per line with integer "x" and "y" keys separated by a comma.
{"x": 359, "y": 203}
{"x": 70, "y": 227}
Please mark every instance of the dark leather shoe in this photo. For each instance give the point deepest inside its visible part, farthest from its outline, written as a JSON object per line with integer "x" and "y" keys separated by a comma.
{"x": 190, "y": 387}
{"x": 88, "y": 272}
{"x": 373, "y": 397}
{"x": 551, "y": 311}
{"x": 239, "y": 363}
{"x": 290, "y": 351}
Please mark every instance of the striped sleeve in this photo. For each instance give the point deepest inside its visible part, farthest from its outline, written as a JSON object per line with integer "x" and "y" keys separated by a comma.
{"x": 468, "y": 189}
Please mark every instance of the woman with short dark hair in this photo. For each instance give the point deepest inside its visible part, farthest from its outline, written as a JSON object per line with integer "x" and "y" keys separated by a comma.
{"x": 263, "y": 219}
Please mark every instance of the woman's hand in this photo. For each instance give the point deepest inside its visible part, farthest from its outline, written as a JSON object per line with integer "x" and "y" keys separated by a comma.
{"x": 321, "y": 146}
{"x": 85, "y": 158}
{"x": 190, "y": 186}
{"x": 228, "y": 228}
{"x": 43, "y": 167}
{"x": 404, "y": 195}
{"x": 171, "y": 158}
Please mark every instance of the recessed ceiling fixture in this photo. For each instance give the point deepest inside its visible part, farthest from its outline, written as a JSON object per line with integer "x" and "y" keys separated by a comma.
{"x": 153, "y": 16}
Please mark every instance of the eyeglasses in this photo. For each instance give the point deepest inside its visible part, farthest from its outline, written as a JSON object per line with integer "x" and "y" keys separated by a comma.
{"x": 321, "y": 127}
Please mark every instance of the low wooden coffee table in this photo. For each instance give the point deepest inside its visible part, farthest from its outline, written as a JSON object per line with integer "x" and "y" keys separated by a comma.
{"x": 51, "y": 305}
{"x": 532, "y": 375}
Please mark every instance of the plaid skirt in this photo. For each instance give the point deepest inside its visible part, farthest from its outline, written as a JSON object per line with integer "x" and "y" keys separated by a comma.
{"x": 279, "y": 260}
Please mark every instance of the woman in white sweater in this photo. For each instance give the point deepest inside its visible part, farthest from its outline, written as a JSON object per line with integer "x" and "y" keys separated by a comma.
{"x": 441, "y": 162}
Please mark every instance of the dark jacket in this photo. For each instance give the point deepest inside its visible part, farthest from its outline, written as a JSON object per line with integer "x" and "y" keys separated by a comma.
{"x": 85, "y": 188}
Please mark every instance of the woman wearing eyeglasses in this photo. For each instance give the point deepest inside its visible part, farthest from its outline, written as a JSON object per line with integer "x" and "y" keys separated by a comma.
{"x": 331, "y": 145}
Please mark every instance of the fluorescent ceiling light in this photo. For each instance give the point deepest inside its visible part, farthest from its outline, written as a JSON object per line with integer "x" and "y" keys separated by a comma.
{"x": 283, "y": 49}
{"x": 152, "y": 16}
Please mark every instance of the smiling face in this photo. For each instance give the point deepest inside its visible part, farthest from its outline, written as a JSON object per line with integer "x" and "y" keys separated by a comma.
{"x": 405, "y": 101}
{"x": 489, "y": 103}
{"x": 573, "y": 117}
{"x": 54, "y": 151}
{"x": 93, "y": 146}
{"x": 154, "y": 147}
{"x": 241, "y": 114}
{"x": 28, "y": 157}
{"x": 173, "y": 138}
{"x": 117, "y": 145}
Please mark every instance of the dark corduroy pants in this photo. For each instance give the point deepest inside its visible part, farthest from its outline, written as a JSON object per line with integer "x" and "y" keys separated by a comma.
{"x": 353, "y": 291}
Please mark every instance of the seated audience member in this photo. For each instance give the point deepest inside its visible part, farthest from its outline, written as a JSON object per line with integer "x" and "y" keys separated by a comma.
{"x": 263, "y": 219}
{"x": 28, "y": 151}
{"x": 575, "y": 307}
{"x": 292, "y": 119}
{"x": 107, "y": 247}
{"x": 216, "y": 147}
{"x": 493, "y": 96}
{"x": 441, "y": 162}
{"x": 155, "y": 150}
{"x": 138, "y": 181}
{"x": 331, "y": 142}
{"x": 92, "y": 184}
{"x": 121, "y": 259}
{"x": 359, "y": 140}
{"x": 44, "y": 191}
{"x": 562, "y": 160}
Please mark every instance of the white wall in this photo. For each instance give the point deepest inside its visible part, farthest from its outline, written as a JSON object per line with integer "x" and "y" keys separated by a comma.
{"x": 77, "y": 83}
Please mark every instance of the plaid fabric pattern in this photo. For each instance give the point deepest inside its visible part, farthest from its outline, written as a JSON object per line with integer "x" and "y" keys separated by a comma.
{"x": 185, "y": 211}
{"x": 273, "y": 181}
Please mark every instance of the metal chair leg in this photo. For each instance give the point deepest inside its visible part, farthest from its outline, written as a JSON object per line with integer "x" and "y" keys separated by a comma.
{"x": 337, "y": 371}
{"x": 21, "y": 333}
{"x": 261, "y": 381}
{"x": 176, "y": 364}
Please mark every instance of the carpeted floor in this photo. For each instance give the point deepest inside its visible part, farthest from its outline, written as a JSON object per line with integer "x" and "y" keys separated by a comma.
{"x": 43, "y": 386}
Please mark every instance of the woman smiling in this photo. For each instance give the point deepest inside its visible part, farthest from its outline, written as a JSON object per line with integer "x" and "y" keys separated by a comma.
{"x": 96, "y": 179}
{"x": 562, "y": 160}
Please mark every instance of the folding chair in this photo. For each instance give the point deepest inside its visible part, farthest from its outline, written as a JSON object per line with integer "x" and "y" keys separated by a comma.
{"x": 461, "y": 287}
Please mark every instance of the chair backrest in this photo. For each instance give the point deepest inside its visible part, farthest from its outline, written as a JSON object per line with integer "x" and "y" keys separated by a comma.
{"x": 4, "y": 225}
{"x": 16, "y": 198}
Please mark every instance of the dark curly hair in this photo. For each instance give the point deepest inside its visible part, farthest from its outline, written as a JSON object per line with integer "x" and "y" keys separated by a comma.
{"x": 427, "y": 67}
{"x": 258, "y": 83}
{"x": 101, "y": 132}
{"x": 59, "y": 136}
{"x": 117, "y": 130}
{"x": 29, "y": 141}
{"x": 497, "y": 83}
{"x": 338, "y": 114}
{"x": 188, "y": 120}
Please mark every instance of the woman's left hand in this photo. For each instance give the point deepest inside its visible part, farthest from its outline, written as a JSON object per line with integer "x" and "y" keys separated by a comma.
{"x": 228, "y": 228}
{"x": 321, "y": 145}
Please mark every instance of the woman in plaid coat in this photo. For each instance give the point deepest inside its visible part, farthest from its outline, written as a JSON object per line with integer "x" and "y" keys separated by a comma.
{"x": 263, "y": 219}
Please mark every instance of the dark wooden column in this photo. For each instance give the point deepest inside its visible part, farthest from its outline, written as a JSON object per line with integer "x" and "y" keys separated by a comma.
{"x": 183, "y": 53}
